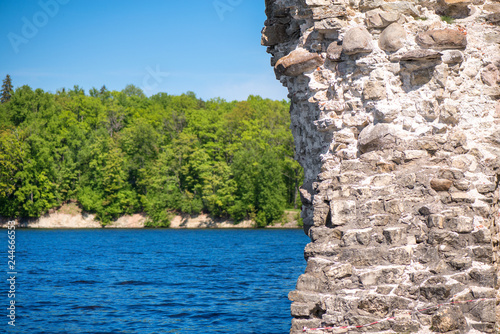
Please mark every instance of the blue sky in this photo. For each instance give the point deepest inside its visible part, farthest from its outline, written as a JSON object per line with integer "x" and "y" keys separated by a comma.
{"x": 209, "y": 47}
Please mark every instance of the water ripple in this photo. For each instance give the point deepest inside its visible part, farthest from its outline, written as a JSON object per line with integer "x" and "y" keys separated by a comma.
{"x": 156, "y": 281}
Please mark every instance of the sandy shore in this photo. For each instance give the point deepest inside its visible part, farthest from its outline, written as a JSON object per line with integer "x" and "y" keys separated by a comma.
{"x": 71, "y": 218}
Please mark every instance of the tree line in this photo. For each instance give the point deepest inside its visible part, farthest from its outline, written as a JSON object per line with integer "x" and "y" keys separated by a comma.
{"x": 120, "y": 152}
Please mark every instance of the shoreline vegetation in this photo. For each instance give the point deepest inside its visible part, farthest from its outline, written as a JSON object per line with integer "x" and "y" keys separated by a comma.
{"x": 114, "y": 154}
{"x": 67, "y": 217}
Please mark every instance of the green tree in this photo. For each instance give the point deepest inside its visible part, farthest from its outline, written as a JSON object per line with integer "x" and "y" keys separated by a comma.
{"x": 104, "y": 188}
{"x": 131, "y": 90}
{"x": 6, "y": 90}
{"x": 261, "y": 191}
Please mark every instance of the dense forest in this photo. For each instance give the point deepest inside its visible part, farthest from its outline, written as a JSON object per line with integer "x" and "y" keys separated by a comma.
{"x": 120, "y": 152}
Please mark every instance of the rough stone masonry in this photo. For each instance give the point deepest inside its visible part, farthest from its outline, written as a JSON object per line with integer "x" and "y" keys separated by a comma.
{"x": 396, "y": 119}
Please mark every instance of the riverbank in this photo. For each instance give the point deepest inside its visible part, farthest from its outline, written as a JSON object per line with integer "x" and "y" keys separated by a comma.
{"x": 71, "y": 217}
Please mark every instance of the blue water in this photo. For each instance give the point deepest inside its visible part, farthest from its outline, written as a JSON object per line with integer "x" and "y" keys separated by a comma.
{"x": 154, "y": 281}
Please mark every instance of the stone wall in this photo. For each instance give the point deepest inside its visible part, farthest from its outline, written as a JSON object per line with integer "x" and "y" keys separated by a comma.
{"x": 396, "y": 117}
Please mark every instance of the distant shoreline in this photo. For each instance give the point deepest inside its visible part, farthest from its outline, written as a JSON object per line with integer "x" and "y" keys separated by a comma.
{"x": 82, "y": 220}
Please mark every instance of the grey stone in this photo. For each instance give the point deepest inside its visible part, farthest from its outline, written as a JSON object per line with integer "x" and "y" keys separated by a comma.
{"x": 462, "y": 198}
{"x": 392, "y": 38}
{"x": 493, "y": 18}
{"x": 483, "y": 277}
{"x": 374, "y": 90}
{"x": 376, "y": 305}
{"x": 435, "y": 220}
{"x": 448, "y": 319}
{"x": 334, "y": 51}
{"x": 435, "y": 293}
{"x": 328, "y": 11}
{"x": 490, "y": 75}
{"x": 329, "y": 24}
{"x": 492, "y": 37}
{"x": 460, "y": 263}
{"x": 376, "y": 137}
{"x": 302, "y": 309}
{"x": 394, "y": 235}
{"x": 380, "y": 19}
{"x": 370, "y": 4}
{"x": 421, "y": 76}
{"x": 452, "y": 56}
{"x": 390, "y": 275}
{"x": 449, "y": 114}
{"x": 401, "y": 7}
{"x": 357, "y": 40}
{"x": 399, "y": 256}
{"x": 339, "y": 271}
{"x": 482, "y": 236}
{"x": 482, "y": 311}
{"x": 460, "y": 224}
{"x": 309, "y": 282}
{"x": 418, "y": 54}
{"x": 275, "y": 34}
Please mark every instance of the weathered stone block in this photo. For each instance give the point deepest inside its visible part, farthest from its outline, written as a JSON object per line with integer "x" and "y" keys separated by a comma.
{"x": 376, "y": 305}
{"x": 399, "y": 255}
{"x": 482, "y": 236}
{"x": 435, "y": 220}
{"x": 378, "y": 18}
{"x": 298, "y": 62}
{"x": 329, "y": 11}
{"x": 452, "y": 56}
{"x": 329, "y": 24}
{"x": 394, "y": 235}
{"x": 490, "y": 75}
{"x": 483, "y": 276}
{"x": 374, "y": 90}
{"x": 421, "y": 77}
{"x": 419, "y": 54}
{"x": 448, "y": 319}
{"x": 339, "y": 271}
{"x": 389, "y": 275}
{"x": 441, "y": 184}
{"x": 460, "y": 224}
{"x": 460, "y": 263}
{"x": 394, "y": 207}
{"x": 401, "y": 7}
{"x": 369, "y": 256}
{"x": 462, "y": 198}
{"x": 442, "y": 39}
{"x": 357, "y": 40}
{"x": 302, "y": 309}
{"x": 485, "y": 187}
{"x": 364, "y": 236}
{"x": 334, "y": 51}
{"x": 382, "y": 180}
{"x": 436, "y": 293}
{"x": 415, "y": 154}
{"x": 307, "y": 282}
{"x": 275, "y": 34}
{"x": 392, "y": 38}
{"x": 377, "y": 137}
{"x": 342, "y": 211}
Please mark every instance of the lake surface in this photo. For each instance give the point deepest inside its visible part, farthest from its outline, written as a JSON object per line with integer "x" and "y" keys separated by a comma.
{"x": 154, "y": 281}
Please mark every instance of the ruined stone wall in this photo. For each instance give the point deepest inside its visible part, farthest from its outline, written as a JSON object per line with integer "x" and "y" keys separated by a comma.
{"x": 396, "y": 119}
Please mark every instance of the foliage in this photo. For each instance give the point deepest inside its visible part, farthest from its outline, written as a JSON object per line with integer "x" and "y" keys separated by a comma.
{"x": 118, "y": 153}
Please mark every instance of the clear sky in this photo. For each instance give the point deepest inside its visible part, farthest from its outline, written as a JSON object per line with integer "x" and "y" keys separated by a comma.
{"x": 209, "y": 47}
